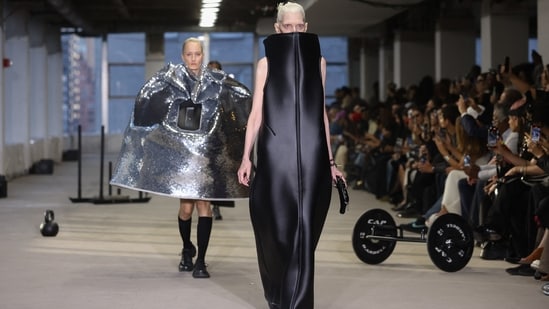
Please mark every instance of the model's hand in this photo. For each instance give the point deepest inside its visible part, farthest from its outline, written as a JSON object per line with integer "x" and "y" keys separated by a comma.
{"x": 337, "y": 173}
{"x": 244, "y": 172}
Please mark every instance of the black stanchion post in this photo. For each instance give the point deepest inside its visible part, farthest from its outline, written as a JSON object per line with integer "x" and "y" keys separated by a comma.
{"x": 79, "y": 198}
{"x": 79, "y": 162}
{"x": 110, "y": 175}
{"x": 102, "y": 156}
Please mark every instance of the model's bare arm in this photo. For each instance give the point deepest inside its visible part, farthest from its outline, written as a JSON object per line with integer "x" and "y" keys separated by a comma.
{"x": 254, "y": 122}
{"x": 335, "y": 171}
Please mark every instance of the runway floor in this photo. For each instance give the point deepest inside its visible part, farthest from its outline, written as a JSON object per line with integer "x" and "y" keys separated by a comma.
{"x": 126, "y": 256}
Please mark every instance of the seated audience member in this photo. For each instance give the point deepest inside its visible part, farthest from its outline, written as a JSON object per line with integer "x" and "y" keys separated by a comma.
{"x": 474, "y": 152}
{"x": 438, "y": 162}
{"x": 471, "y": 189}
{"x": 508, "y": 218}
{"x": 538, "y": 202}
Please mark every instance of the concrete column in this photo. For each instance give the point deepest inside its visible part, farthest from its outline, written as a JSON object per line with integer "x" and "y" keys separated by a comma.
{"x": 414, "y": 57}
{"x": 503, "y": 32}
{"x": 154, "y": 53}
{"x": 54, "y": 93}
{"x": 2, "y": 101}
{"x": 385, "y": 67}
{"x": 16, "y": 90}
{"x": 206, "y": 46}
{"x": 355, "y": 54}
{"x": 369, "y": 67}
{"x": 37, "y": 90}
{"x": 54, "y": 81}
{"x": 454, "y": 48}
{"x": 543, "y": 29}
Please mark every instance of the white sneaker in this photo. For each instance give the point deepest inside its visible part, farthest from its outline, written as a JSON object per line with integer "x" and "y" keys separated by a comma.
{"x": 535, "y": 264}
{"x": 431, "y": 219}
{"x": 545, "y": 289}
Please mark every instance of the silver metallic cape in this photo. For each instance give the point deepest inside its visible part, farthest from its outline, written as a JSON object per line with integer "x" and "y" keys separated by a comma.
{"x": 186, "y": 136}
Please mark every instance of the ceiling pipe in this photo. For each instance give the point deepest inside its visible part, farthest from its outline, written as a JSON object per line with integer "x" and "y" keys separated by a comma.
{"x": 66, "y": 9}
{"x": 122, "y": 8}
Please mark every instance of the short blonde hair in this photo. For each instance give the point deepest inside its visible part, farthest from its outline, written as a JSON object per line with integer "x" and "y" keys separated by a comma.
{"x": 289, "y": 7}
{"x": 194, "y": 40}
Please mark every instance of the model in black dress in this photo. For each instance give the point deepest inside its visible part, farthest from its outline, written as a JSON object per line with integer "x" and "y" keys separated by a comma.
{"x": 291, "y": 188}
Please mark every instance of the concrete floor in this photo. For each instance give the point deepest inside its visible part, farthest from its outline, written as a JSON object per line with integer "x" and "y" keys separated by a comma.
{"x": 126, "y": 256}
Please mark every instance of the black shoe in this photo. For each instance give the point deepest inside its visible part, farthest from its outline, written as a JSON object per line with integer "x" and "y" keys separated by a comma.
{"x": 359, "y": 185}
{"x": 187, "y": 255}
{"x": 409, "y": 212}
{"x": 538, "y": 275}
{"x": 274, "y": 305}
{"x": 485, "y": 233}
{"x": 396, "y": 198}
{"x": 493, "y": 250}
{"x": 521, "y": 270}
{"x": 216, "y": 213}
{"x": 400, "y": 207}
{"x": 200, "y": 270}
{"x": 512, "y": 259}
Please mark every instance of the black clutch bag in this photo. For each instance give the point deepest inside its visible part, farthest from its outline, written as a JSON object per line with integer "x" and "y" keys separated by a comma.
{"x": 343, "y": 195}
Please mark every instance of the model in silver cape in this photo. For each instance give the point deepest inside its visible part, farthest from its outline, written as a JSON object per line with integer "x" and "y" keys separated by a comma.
{"x": 185, "y": 136}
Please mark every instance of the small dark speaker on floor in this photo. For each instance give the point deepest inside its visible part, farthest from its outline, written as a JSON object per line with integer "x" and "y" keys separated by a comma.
{"x": 44, "y": 166}
{"x": 3, "y": 186}
{"x": 70, "y": 155}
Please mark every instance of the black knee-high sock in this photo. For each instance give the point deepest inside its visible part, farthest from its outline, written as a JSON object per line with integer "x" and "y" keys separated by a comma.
{"x": 185, "y": 231}
{"x": 204, "y": 229}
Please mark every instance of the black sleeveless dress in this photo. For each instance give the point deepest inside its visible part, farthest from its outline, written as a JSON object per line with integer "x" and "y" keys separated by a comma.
{"x": 291, "y": 189}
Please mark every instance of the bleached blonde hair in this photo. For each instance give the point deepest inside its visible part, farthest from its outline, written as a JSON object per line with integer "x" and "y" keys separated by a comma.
{"x": 289, "y": 7}
{"x": 192, "y": 39}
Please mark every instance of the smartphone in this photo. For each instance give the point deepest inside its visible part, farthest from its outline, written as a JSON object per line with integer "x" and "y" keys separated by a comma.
{"x": 442, "y": 133}
{"x": 467, "y": 161}
{"x": 425, "y": 131}
{"x": 492, "y": 137}
{"x": 535, "y": 134}
{"x": 398, "y": 145}
{"x": 465, "y": 95}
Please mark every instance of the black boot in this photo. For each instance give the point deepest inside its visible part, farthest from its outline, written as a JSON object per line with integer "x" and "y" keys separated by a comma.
{"x": 189, "y": 250}
{"x": 204, "y": 228}
{"x": 217, "y": 213}
{"x": 200, "y": 270}
{"x": 187, "y": 255}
